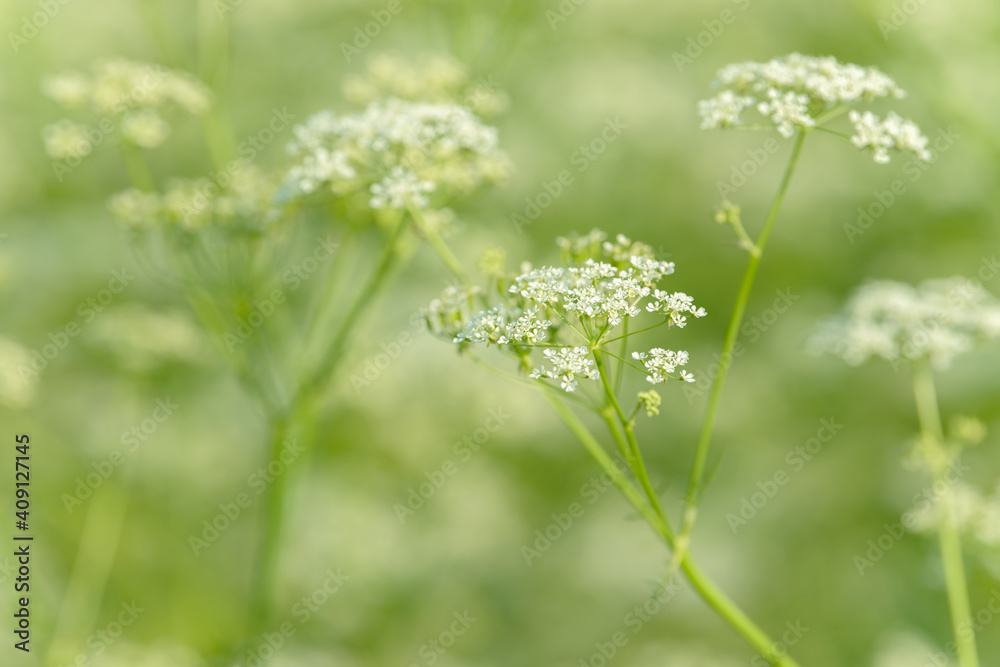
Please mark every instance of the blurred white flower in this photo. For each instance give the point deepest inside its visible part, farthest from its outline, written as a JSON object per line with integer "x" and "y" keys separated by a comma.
{"x": 70, "y": 89}
{"x": 134, "y": 95}
{"x": 406, "y": 149}
{"x": 399, "y": 189}
{"x": 145, "y": 128}
{"x": 65, "y": 139}
{"x": 937, "y": 320}
{"x": 881, "y": 135}
{"x": 425, "y": 78}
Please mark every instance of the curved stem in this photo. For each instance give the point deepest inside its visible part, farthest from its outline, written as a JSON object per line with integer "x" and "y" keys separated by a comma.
{"x": 732, "y": 333}
{"x": 635, "y": 456}
{"x": 705, "y": 588}
{"x": 949, "y": 537}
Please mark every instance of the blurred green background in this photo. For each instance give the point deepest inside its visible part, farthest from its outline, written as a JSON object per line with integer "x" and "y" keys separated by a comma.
{"x": 462, "y": 552}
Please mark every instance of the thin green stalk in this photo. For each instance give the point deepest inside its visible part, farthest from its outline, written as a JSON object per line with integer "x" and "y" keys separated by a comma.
{"x": 705, "y": 588}
{"x": 304, "y": 404}
{"x": 948, "y": 535}
{"x": 732, "y": 334}
{"x": 267, "y": 556}
{"x": 365, "y": 297}
{"x": 635, "y": 455}
{"x": 440, "y": 247}
{"x": 86, "y": 588}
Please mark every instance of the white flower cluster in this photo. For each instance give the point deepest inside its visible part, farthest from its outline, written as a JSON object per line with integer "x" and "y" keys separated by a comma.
{"x": 400, "y": 188}
{"x": 429, "y": 78}
{"x": 976, "y": 514}
{"x": 937, "y": 320}
{"x": 597, "y": 290}
{"x": 893, "y": 132}
{"x": 605, "y": 284}
{"x": 674, "y": 306}
{"x": 796, "y": 90}
{"x": 452, "y": 310}
{"x": 660, "y": 364}
{"x": 395, "y": 151}
{"x": 568, "y": 363}
{"x": 495, "y": 326}
{"x": 191, "y": 205}
{"x": 134, "y": 95}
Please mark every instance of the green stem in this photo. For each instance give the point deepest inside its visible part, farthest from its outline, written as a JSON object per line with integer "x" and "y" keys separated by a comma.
{"x": 366, "y": 296}
{"x": 302, "y": 407}
{"x": 440, "y": 247}
{"x": 732, "y": 333}
{"x": 949, "y": 538}
{"x": 635, "y": 456}
{"x": 267, "y": 556}
{"x": 705, "y": 588}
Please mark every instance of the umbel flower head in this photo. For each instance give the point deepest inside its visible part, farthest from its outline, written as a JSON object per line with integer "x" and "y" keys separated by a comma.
{"x": 936, "y": 320}
{"x": 435, "y": 78}
{"x": 395, "y": 155}
{"x": 243, "y": 207}
{"x": 130, "y": 98}
{"x": 556, "y": 319}
{"x": 803, "y": 92}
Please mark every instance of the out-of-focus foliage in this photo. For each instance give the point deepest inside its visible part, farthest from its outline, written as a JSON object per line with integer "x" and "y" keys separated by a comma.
{"x": 606, "y": 92}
